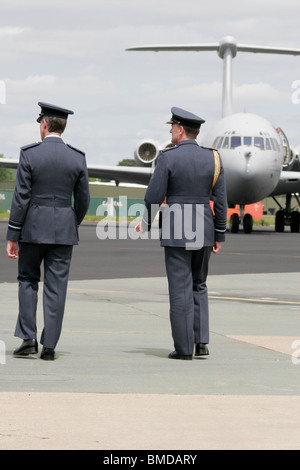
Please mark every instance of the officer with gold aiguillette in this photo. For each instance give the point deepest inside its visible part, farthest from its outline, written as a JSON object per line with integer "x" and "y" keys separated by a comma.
{"x": 186, "y": 176}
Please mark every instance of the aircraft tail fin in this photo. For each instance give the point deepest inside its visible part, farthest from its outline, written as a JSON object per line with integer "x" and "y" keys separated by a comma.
{"x": 227, "y": 50}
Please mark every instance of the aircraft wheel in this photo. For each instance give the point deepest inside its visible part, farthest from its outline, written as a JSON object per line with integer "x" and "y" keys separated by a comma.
{"x": 248, "y": 223}
{"x": 295, "y": 222}
{"x": 234, "y": 223}
{"x": 279, "y": 221}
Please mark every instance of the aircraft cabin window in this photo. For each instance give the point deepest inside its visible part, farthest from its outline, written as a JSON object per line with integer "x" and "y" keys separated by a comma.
{"x": 248, "y": 141}
{"x": 226, "y": 143}
{"x": 236, "y": 142}
{"x": 259, "y": 142}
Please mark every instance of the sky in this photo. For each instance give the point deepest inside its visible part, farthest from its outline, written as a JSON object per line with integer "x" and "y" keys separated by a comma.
{"x": 73, "y": 54}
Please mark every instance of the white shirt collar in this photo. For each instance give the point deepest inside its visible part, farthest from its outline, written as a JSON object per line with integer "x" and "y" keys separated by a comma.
{"x": 52, "y": 135}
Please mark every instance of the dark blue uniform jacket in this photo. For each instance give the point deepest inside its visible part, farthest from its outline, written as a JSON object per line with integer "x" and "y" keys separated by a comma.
{"x": 51, "y": 195}
{"x": 183, "y": 176}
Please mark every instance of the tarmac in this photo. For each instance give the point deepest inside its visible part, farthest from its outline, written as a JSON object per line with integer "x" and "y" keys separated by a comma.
{"x": 112, "y": 386}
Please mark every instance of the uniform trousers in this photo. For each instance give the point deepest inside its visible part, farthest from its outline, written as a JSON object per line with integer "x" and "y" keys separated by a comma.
{"x": 57, "y": 261}
{"x": 189, "y": 315}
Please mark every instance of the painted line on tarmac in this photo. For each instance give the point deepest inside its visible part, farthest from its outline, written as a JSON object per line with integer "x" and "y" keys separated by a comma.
{"x": 211, "y": 297}
{"x": 246, "y": 299}
{"x": 104, "y": 291}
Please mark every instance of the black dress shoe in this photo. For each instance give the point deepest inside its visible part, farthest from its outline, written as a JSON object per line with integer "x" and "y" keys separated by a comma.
{"x": 29, "y": 346}
{"x": 48, "y": 354}
{"x": 175, "y": 355}
{"x": 201, "y": 350}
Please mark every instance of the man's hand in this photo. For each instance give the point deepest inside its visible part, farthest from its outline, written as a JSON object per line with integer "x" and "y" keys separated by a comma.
{"x": 12, "y": 250}
{"x": 216, "y": 248}
{"x": 138, "y": 228}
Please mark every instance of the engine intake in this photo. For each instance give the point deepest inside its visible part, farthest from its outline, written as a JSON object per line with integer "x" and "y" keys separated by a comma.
{"x": 146, "y": 153}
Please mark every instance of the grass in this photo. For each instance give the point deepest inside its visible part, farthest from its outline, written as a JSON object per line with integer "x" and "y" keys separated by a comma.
{"x": 266, "y": 221}
{"x": 4, "y": 215}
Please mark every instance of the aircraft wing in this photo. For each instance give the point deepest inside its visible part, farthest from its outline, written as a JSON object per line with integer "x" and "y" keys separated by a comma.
{"x": 120, "y": 174}
{"x": 9, "y": 163}
{"x": 289, "y": 183}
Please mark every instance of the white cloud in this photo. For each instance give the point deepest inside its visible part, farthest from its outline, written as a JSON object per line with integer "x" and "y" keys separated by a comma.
{"x": 258, "y": 97}
{"x": 12, "y": 30}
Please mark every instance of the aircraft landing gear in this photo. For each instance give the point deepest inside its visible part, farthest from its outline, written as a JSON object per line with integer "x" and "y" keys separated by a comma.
{"x": 247, "y": 221}
{"x": 234, "y": 223}
{"x": 287, "y": 216}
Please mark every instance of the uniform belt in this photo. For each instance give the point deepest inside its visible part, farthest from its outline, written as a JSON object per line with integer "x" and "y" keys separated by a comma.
{"x": 187, "y": 200}
{"x": 51, "y": 202}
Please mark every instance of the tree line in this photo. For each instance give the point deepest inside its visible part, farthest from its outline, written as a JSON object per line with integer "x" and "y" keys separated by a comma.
{"x": 6, "y": 174}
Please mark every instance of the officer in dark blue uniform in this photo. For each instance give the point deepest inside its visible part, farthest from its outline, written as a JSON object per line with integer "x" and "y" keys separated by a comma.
{"x": 43, "y": 227}
{"x": 187, "y": 176}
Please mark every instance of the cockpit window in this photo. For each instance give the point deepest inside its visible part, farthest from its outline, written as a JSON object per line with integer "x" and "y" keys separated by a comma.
{"x": 268, "y": 144}
{"x": 248, "y": 141}
{"x": 216, "y": 141}
{"x": 236, "y": 141}
{"x": 226, "y": 143}
{"x": 259, "y": 142}
{"x": 272, "y": 143}
{"x": 275, "y": 145}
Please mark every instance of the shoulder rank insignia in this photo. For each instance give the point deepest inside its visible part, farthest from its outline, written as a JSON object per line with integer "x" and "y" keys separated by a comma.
{"x": 76, "y": 150}
{"x": 26, "y": 147}
{"x": 168, "y": 148}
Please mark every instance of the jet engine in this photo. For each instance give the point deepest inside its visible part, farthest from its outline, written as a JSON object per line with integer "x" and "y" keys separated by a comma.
{"x": 146, "y": 153}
